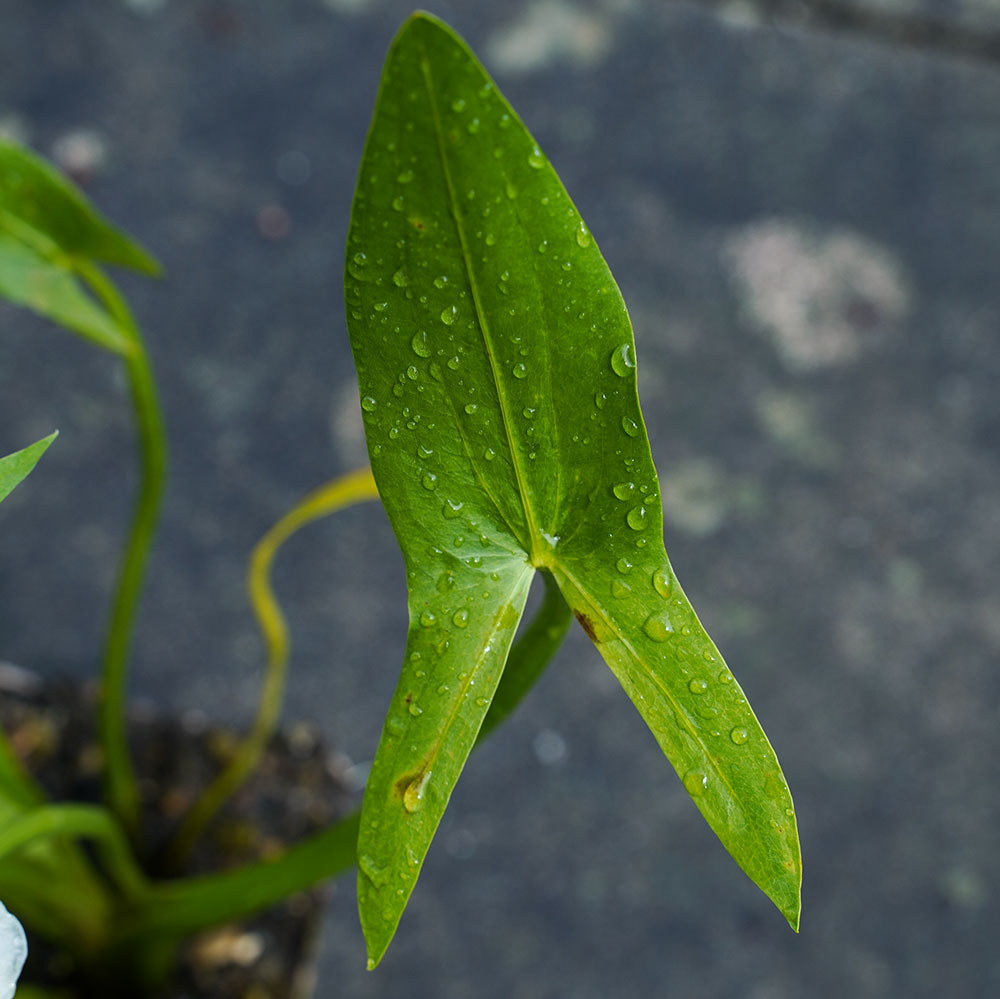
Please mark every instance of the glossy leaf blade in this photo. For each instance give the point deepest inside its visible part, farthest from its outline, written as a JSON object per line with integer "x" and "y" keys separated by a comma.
{"x": 36, "y": 194}
{"x": 497, "y": 373}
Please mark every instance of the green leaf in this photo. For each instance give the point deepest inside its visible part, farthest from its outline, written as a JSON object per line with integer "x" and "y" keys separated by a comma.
{"x": 17, "y": 466}
{"x": 497, "y": 373}
{"x": 50, "y": 236}
{"x": 37, "y": 195}
{"x": 45, "y": 284}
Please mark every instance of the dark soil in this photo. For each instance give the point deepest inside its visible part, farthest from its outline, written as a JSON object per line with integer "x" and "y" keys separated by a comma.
{"x": 298, "y": 788}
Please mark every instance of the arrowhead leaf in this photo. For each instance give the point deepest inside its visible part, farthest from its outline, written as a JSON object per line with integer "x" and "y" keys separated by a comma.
{"x": 497, "y": 372}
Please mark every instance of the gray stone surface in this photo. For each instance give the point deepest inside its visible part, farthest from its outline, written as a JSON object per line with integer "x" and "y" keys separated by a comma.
{"x": 806, "y": 227}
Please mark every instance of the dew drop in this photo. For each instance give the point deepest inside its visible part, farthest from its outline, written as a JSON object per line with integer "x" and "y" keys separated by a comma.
{"x": 658, "y": 627}
{"x": 430, "y": 480}
{"x": 637, "y": 518}
{"x": 661, "y": 582}
{"x": 619, "y": 588}
{"x": 695, "y": 783}
{"x": 622, "y": 361}
{"x": 623, "y": 490}
{"x": 399, "y": 279}
{"x": 511, "y": 191}
{"x": 443, "y": 689}
{"x": 698, "y": 686}
{"x": 536, "y": 158}
{"x": 380, "y": 306}
{"x": 725, "y": 677}
{"x": 543, "y": 246}
{"x": 405, "y": 177}
{"x": 427, "y": 619}
{"x": 414, "y": 793}
{"x": 630, "y": 426}
{"x": 489, "y": 454}
{"x": 376, "y": 874}
{"x": 519, "y": 371}
{"x": 739, "y": 735}
{"x": 458, "y": 106}
{"x": 490, "y": 239}
{"x": 415, "y": 710}
{"x": 623, "y": 565}
{"x": 397, "y": 203}
{"x": 582, "y": 234}
{"x": 449, "y": 315}
{"x": 368, "y": 404}
{"x": 600, "y": 399}
{"x": 460, "y": 618}
{"x": 412, "y": 373}
{"x": 470, "y": 408}
{"x": 420, "y": 345}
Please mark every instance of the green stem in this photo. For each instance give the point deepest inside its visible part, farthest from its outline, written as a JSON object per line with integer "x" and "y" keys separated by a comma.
{"x": 355, "y": 487}
{"x": 80, "y": 822}
{"x": 119, "y": 779}
{"x": 184, "y": 907}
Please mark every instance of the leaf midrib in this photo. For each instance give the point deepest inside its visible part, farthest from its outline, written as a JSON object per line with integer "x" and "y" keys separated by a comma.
{"x": 534, "y": 533}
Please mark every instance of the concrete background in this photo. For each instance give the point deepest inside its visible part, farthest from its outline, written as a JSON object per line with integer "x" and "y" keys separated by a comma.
{"x": 806, "y": 227}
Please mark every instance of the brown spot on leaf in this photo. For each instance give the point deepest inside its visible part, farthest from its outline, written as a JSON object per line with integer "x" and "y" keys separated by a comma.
{"x": 419, "y": 224}
{"x": 586, "y": 624}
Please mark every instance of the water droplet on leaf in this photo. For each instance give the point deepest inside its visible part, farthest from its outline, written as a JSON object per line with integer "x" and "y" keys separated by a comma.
{"x": 414, "y": 793}
{"x": 661, "y": 582}
{"x": 695, "y": 783}
{"x": 420, "y": 345}
{"x": 622, "y": 360}
{"x": 658, "y": 627}
{"x": 637, "y": 518}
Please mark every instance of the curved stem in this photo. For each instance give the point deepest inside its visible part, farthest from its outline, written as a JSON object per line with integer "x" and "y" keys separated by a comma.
{"x": 355, "y": 487}
{"x": 119, "y": 779}
{"x": 80, "y": 822}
